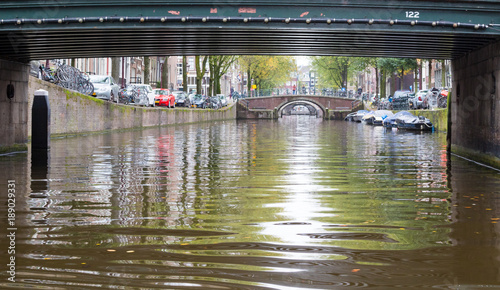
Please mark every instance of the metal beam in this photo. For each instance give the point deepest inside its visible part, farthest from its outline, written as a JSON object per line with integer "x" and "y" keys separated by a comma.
{"x": 33, "y": 29}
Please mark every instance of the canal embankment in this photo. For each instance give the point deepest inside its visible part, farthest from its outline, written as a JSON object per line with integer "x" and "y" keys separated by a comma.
{"x": 73, "y": 113}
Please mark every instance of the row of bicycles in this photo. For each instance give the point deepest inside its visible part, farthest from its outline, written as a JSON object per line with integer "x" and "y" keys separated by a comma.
{"x": 133, "y": 95}
{"x": 68, "y": 77}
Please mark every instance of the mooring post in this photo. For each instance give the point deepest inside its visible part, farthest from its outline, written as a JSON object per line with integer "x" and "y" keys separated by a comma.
{"x": 40, "y": 121}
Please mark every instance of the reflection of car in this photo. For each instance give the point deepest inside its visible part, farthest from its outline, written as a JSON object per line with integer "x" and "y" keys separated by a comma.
{"x": 181, "y": 99}
{"x": 223, "y": 99}
{"x": 149, "y": 92}
{"x": 163, "y": 97}
{"x": 104, "y": 87}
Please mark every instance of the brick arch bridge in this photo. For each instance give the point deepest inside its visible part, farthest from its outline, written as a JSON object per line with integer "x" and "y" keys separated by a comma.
{"x": 270, "y": 107}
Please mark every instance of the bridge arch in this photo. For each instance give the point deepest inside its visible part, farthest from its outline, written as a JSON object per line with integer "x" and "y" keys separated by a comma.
{"x": 310, "y": 104}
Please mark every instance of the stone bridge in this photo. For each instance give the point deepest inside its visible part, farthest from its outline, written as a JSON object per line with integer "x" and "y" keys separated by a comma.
{"x": 274, "y": 106}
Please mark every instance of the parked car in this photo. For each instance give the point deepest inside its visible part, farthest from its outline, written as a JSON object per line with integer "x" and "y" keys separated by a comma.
{"x": 181, "y": 99}
{"x": 149, "y": 92}
{"x": 163, "y": 97}
{"x": 200, "y": 101}
{"x": 222, "y": 99}
{"x": 419, "y": 101}
{"x": 105, "y": 87}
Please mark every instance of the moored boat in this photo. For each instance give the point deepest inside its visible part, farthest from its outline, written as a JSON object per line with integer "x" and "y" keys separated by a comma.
{"x": 412, "y": 122}
{"x": 380, "y": 116}
{"x": 359, "y": 115}
{"x": 390, "y": 122}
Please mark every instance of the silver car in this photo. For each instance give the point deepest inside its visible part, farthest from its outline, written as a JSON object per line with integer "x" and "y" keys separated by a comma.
{"x": 105, "y": 87}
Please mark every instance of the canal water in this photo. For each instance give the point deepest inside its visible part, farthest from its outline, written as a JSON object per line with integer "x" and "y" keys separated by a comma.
{"x": 296, "y": 203}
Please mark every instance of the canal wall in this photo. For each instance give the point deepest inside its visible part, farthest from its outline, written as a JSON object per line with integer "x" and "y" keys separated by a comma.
{"x": 475, "y": 105}
{"x": 438, "y": 117}
{"x": 13, "y": 111}
{"x": 73, "y": 113}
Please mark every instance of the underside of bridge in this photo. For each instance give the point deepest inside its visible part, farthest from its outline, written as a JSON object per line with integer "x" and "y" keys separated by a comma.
{"x": 32, "y": 29}
{"x": 301, "y": 108}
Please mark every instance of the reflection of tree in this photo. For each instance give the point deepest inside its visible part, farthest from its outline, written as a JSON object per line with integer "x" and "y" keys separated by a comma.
{"x": 391, "y": 180}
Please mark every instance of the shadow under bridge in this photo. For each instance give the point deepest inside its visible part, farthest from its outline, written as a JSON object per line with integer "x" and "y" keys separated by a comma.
{"x": 301, "y": 107}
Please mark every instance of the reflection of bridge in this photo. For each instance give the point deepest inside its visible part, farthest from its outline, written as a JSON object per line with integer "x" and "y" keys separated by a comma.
{"x": 277, "y": 106}
{"x": 466, "y": 31}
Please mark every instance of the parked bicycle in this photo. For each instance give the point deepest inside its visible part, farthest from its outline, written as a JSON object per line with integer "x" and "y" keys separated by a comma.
{"x": 71, "y": 78}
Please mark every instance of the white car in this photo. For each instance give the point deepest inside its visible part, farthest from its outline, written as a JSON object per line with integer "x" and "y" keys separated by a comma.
{"x": 149, "y": 91}
{"x": 105, "y": 87}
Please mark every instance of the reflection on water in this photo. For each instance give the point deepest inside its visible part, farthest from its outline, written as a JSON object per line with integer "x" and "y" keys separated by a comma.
{"x": 290, "y": 204}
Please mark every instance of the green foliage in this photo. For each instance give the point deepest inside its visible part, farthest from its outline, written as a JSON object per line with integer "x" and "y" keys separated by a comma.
{"x": 268, "y": 72}
{"x": 333, "y": 71}
{"x": 219, "y": 65}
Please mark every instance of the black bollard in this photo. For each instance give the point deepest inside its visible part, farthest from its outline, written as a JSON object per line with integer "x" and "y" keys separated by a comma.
{"x": 40, "y": 121}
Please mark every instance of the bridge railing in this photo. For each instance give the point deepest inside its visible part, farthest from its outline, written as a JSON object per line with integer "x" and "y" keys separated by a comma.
{"x": 282, "y": 92}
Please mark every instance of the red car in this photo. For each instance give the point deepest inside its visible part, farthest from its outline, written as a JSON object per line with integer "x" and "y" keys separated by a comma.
{"x": 163, "y": 97}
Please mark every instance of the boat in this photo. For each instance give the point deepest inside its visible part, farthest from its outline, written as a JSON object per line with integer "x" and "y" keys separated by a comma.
{"x": 350, "y": 117}
{"x": 380, "y": 116}
{"x": 359, "y": 115}
{"x": 376, "y": 117}
{"x": 368, "y": 118}
{"x": 412, "y": 122}
{"x": 390, "y": 122}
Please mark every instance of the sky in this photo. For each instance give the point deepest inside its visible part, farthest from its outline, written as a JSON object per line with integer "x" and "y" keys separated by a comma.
{"x": 302, "y": 60}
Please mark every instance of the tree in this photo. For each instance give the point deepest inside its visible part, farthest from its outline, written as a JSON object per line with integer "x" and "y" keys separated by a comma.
{"x": 267, "y": 72}
{"x": 387, "y": 67}
{"x": 443, "y": 73}
{"x": 201, "y": 69}
{"x": 219, "y": 65}
{"x": 332, "y": 70}
{"x": 115, "y": 69}
{"x": 362, "y": 63}
{"x": 147, "y": 69}
{"x": 400, "y": 66}
{"x": 184, "y": 74}
{"x": 164, "y": 73}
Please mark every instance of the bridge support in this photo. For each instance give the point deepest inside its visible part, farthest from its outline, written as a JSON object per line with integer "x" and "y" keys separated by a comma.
{"x": 475, "y": 105}
{"x": 13, "y": 106}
